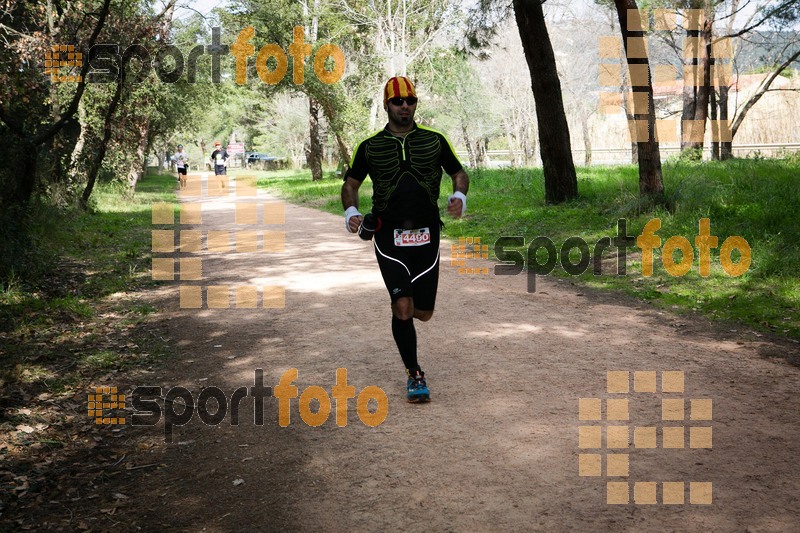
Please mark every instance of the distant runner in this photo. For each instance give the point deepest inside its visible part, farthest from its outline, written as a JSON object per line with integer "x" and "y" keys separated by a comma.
{"x": 219, "y": 159}
{"x": 181, "y": 160}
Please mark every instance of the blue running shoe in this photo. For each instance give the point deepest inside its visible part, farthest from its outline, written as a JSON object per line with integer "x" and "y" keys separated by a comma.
{"x": 418, "y": 388}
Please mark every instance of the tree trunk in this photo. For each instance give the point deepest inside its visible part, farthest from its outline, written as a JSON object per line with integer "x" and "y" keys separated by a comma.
{"x": 57, "y": 172}
{"x": 714, "y": 126}
{"x": 77, "y": 165}
{"x": 480, "y": 154}
{"x": 375, "y": 110}
{"x": 726, "y": 147}
{"x": 22, "y": 192}
{"x": 650, "y": 180}
{"x": 587, "y": 140}
{"x": 467, "y": 143}
{"x": 206, "y": 162}
{"x": 137, "y": 165}
{"x": 97, "y": 160}
{"x": 335, "y": 126}
{"x": 704, "y": 94}
{"x": 511, "y": 142}
{"x": 688, "y": 112}
{"x": 344, "y": 152}
{"x": 530, "y": 141}
{"x": 712, "y": 104}
{"x": 314, "y": 154}
{"x": 696, "y": 93}
{"x": 624, "y": 87}
{"x": 560, "y": 180}
{"x": 522, "y": 127}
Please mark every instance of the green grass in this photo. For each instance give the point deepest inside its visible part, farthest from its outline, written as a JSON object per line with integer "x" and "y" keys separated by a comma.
{"x": 298, "y": 187}
{"x": 91, "y": 254}
{"x": 56, "y": 317}
{"x": 757, "y": 200}
{"x": 101, "y": 360}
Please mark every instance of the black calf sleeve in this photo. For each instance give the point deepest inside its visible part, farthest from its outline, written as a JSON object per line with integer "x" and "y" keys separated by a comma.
{"x": 405, "y": 336}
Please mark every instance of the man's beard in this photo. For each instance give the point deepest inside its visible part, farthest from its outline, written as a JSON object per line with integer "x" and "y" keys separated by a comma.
{"x": 403, "y": 120}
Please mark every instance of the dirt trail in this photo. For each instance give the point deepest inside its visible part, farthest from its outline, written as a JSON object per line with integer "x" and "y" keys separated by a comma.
{"x": 497, "y": 448}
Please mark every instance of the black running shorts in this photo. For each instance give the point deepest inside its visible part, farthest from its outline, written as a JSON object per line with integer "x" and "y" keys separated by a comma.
{"x": 182, "y": 170}
{"x": 409, "y": 263}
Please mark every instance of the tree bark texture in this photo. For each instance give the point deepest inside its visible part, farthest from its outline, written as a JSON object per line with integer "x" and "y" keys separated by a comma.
{"x": 314, "y": 156}
{"x": 560, "y": 180}
{"x": 650, "y": 179}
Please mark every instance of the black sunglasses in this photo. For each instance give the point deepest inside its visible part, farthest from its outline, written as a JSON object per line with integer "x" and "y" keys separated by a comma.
{"x": 410, "y": 100}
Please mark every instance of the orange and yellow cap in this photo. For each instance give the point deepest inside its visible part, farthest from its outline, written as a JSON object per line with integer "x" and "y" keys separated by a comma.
{"x": 398, "y": 86}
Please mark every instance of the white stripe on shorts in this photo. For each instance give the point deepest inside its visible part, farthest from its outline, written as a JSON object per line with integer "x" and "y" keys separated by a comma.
{"x": 427, "y": 269}
{"x": 393, "y": 259}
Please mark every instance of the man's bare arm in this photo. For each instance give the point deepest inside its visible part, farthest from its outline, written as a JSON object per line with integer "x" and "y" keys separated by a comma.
{"x": 350, "y": 199}
{"x": 460, "y": 181}
{"x": 350, "y": 193}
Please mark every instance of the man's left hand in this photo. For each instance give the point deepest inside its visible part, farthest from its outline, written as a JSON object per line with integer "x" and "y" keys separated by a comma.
{"x": 454, "y": 207}
{"x": 457, "y": 204}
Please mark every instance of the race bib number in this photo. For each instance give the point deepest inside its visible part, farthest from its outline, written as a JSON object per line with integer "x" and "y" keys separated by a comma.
{"x": 412, "y": 237}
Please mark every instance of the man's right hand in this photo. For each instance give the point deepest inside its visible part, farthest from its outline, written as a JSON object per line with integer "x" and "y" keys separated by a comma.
{"x": 355, "y": 222}
{"x": 352, "y": 219}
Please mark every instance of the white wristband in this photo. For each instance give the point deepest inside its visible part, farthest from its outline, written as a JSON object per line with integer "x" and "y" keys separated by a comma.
{"x": 461, "y": 196}
{"x": 349, "y": 213}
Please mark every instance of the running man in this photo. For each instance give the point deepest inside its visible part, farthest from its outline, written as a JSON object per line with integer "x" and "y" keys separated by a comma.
{"x": 405, "y": 162}
{"x": 181, "y": 160}
{"x": 219, "y": 159}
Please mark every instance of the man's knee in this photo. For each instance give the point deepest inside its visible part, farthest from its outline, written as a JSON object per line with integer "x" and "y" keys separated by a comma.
{"x": 403, "y": 308}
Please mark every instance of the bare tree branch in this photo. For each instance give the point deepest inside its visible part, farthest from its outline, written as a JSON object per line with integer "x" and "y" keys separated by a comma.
{"x": 747, "y": 29}
{"x": 50, "y": 132}
{"x": 763, "y": 88}
{"x": 73, "y": 107}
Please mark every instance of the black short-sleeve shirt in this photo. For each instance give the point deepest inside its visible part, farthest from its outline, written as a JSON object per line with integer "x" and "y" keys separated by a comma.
{"x": 406, "y": 173}
{"x": 219, "y": 156}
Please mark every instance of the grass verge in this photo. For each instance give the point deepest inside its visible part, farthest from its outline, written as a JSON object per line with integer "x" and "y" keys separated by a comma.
{"x": 70, "y": 319}
{"x": 755, "y": 199}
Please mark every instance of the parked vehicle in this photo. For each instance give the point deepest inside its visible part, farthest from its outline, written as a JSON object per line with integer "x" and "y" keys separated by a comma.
{"x": 254, "y": 157}
{"x": 261, "y": 161}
